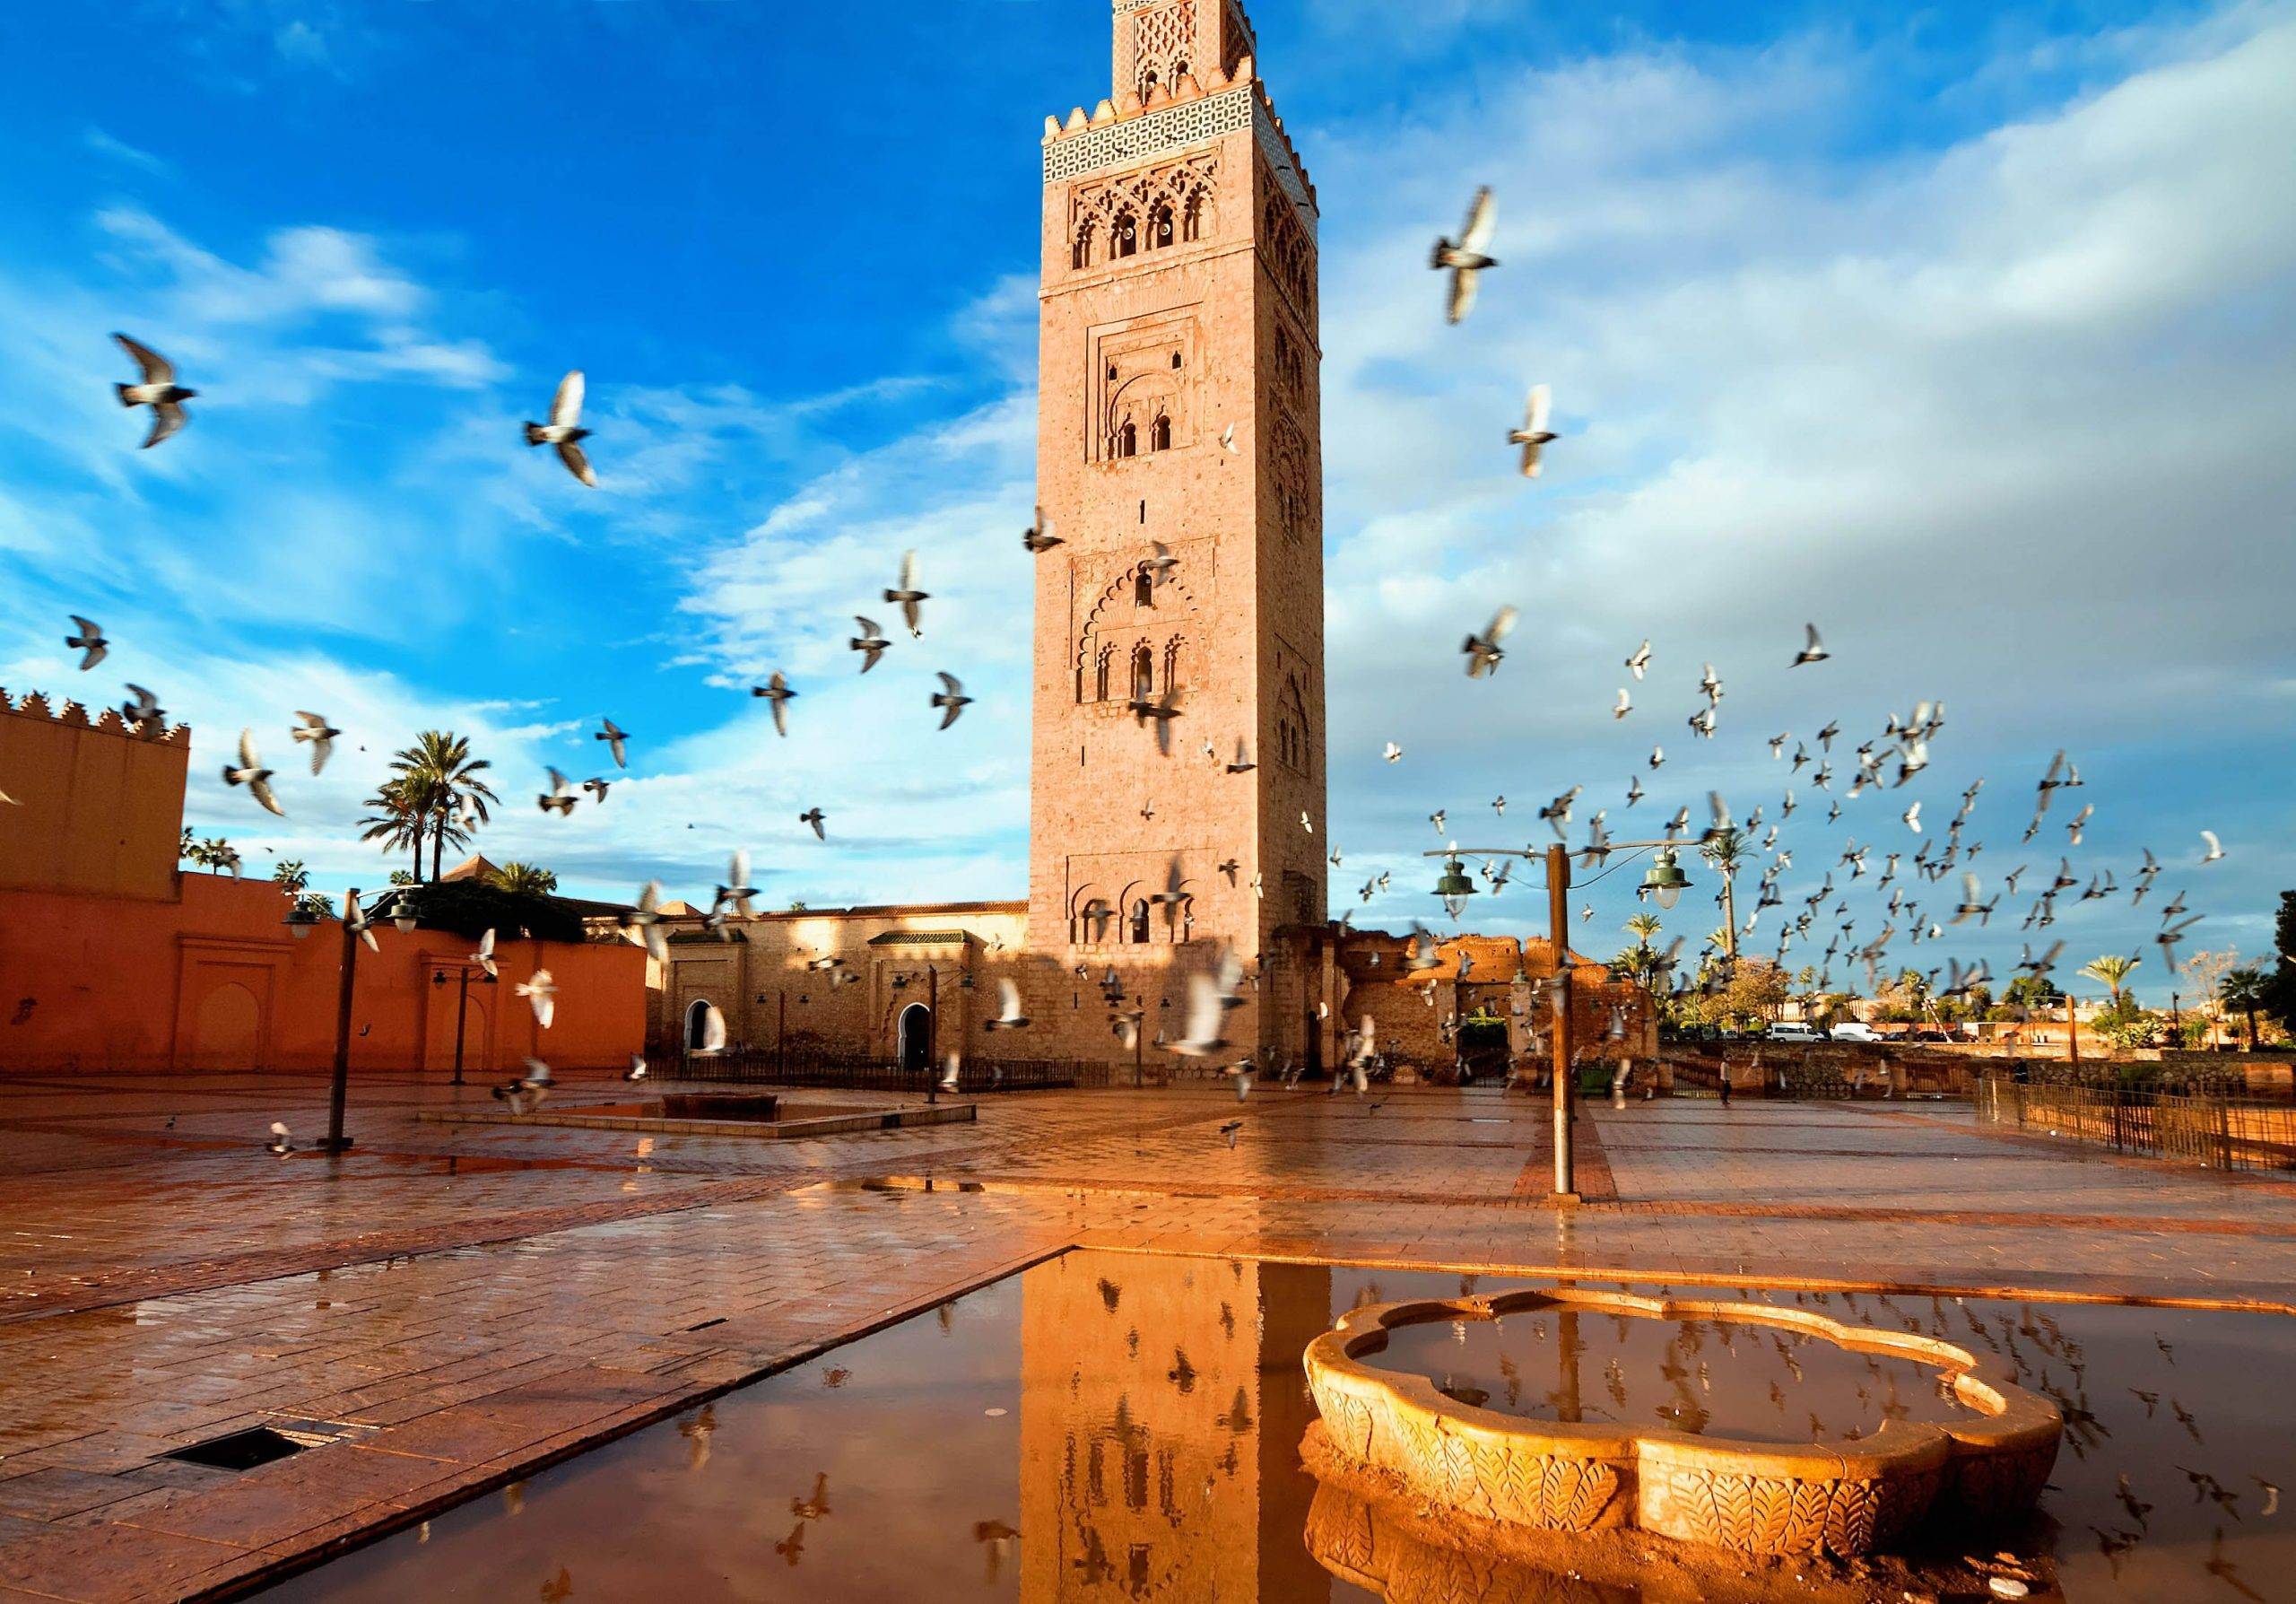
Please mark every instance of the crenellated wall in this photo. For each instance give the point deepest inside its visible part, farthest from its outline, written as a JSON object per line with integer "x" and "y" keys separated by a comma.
{"x": 98, "y": 803}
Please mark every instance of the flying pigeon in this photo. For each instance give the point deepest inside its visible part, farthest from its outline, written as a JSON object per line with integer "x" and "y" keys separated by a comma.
{"x": 646, "y": 918}
{"x": 1394, "y": 753}
{"x": 1036, "y": 538}
{"x": 250, "y": 772}
{"x": 907, "y": 596}
{"x": 952, "y": 698}
{"x": 1625, "y": 703}
{"x": 542, "y": 993}
{"x": 815, "y": 816}
{"x": 1483, "y": 652}
{"x": 1009, "y": 1016}
{"x": 144, "y": 710}
{"x": 738, "y": 893}
{"x": 776, "y": 689}
{"x": 89, "y": 642}
{"x": 560, "y": 798}
{"x": 1534, "y": 435}
{"x": 617, "y": 742}
{"x": 1814, "y": 651}
{"x": 1466, "y": 259}
{"x": 484, "y": 957}
{"x": 564, "y": 430}
{"x": 2215, "y": 847}
{"x": 318, "y": 732}
{"x": 158, "y": 390}
{"x": 1639, "y": 659}
{"x": 597, "y": 787}
{"x": 870, "y": 642}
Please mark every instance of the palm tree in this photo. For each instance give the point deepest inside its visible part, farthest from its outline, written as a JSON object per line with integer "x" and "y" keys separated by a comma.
{"x": 2112, "y": 970}
{"x": 1643, "y": 927}
{"x": 1728, "y": 850}
{"x": 398, "y": 821}
{"x": 523, "y": 879}
{"x": 440, "y": 778}
{"x": 2248, "y": 989}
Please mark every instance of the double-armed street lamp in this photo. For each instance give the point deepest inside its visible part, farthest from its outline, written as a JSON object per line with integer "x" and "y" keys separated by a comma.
{"x": 1663, "y": 885}
{"x": 300, "y": 921}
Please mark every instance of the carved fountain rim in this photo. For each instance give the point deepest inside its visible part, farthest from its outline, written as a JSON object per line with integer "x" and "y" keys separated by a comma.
{"x": 2011, "y": 1417}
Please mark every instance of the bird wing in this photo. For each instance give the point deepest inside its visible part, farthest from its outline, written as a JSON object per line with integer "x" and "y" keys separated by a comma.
{"x": 1814, "y": 644}
{"x": 781, "y": 712}
{"x": 168, "y": 418}
{"x": 1482, "y": 216}
{"x": 1204, "y": 1009}
{"x": 909, "y": 569}
{"x": 1502, "y": 622}
{"x": 713, "y": 1030}
{"x": 260, "y": 789}
{"x": 156, "y": 369}
{"x": 1008, "y": 999}
{"x": 950, "y": 682}
{"x": 566, "y": 406}
{"x": 740, "y": 869}
{"x": 247, "y": 750}
{"x": 578, "y": 462}
{"x": 1462, "y": 287}
{"x": 1541, "y": 403}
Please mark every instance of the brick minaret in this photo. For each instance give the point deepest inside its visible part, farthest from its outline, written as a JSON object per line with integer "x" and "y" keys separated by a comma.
{"x": 1178, "y": 305}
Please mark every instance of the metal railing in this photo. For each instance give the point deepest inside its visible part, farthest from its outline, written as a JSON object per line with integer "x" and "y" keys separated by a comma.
{"x": 866, "y": 1072}
{"x": 2222, "y": 1133}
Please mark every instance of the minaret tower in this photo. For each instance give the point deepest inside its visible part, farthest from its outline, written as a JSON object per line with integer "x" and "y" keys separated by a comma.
{"x": 1179, "y": 405}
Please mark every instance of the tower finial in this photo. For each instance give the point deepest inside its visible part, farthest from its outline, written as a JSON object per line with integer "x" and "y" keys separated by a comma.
{"x": 1160, "y": 41}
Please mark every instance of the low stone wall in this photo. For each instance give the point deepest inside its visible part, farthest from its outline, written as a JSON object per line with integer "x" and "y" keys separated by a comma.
{"x": 1820, "y": 1069}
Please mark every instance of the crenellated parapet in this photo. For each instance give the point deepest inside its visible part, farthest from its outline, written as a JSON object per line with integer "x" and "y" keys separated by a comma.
{"x": 35, "y": 704}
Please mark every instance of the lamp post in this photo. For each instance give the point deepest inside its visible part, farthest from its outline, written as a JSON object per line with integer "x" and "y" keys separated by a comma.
{"x": 462, "y": 1007}
{"x": 1663, "y": 885}
{"x": 301, "y": 922}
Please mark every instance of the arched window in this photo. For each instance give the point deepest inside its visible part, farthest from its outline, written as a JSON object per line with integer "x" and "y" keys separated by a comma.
{"x": 1143, "y": 589}
{"x": 1159, "y": 433}
{"x": 1101, "y": 674}
{"x": 1143, "y": 672}
{"x": 1126, "y": 238}
{"x": 1160, "y": 227}
{"x": 1080, "y": 252}
{"x": 1128, "y": 439}
{"x": 1192, "y": 217}
{"x": 1137, "y": 932}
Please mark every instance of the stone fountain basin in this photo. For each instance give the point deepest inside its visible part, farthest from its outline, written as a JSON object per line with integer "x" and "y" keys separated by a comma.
{"x": 1840, "y": 1497}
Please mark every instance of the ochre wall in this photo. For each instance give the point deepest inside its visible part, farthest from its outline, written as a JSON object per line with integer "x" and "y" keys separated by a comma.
{"x": 97, "y": 806}
{"x": 211, "y": 978}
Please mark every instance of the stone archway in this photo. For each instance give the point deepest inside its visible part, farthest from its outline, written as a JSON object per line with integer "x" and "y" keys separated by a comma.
{"x": 914, "y": 1039}
{"x": 697, "y": 1024}
{"x": 227, "y": 1032}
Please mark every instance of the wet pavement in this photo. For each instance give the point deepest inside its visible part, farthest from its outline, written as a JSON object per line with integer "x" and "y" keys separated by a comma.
{"x": 459, "y": 1307}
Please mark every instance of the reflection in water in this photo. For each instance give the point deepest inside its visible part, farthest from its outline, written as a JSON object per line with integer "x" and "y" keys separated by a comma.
{"x": 1757, "y": 1384}
{"x": 1115, "y": 1426}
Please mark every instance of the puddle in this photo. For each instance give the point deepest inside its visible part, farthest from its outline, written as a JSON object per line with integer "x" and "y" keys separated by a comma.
{"x": 1112, "y": 1427}
{"x": 1710, "y": 1378}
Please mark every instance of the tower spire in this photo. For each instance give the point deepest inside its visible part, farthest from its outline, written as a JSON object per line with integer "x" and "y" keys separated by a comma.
{"x": 1158, "y": 42}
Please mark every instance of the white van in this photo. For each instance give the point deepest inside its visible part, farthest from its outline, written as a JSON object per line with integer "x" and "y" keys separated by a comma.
{"x": 1856, "y": 1032}
{"x": 1792, "y": 1033}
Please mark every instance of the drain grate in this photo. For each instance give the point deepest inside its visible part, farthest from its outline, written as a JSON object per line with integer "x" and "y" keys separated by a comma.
{"x": 244, "y": 1451}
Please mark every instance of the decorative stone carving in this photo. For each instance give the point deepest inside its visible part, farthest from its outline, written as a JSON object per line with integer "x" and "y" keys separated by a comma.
{"x": 1843, "y": 1497}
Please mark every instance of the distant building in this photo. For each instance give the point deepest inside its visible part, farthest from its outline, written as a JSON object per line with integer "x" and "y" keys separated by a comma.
{"x": 1178, "y": 773}
{"x": 111, "y": 957}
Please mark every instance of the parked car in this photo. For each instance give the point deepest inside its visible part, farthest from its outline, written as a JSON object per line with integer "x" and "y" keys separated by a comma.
{"x": 1856, "y": 1032}
{"x": 1792, "y": 1033}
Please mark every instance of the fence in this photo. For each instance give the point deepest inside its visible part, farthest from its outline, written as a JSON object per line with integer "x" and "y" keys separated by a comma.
{"x": 2222, "y": 1133}
{"x": 865, "y": 1072}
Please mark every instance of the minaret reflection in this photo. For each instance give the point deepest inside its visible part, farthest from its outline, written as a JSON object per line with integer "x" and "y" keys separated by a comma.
{"x": 1161, "y": 1409}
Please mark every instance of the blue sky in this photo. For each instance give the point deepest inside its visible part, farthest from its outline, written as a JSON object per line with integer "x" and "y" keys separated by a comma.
{"x": 1965, "y": 333}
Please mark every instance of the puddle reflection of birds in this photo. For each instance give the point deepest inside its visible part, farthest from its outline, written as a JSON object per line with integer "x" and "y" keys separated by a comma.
{"x": 2185, "y": 1419}
{"x": 2112, "y": 1545}
{"x": 558, "y": 1588}
{"x": 793, "y": 1546}
{"x": 2136, "y": 1507}
{"x": 2222, "y": 1568}
{"x": 996, "y": 1539}
{"x": 2271, "y": 1495}
{"x": 815, "y": 1507}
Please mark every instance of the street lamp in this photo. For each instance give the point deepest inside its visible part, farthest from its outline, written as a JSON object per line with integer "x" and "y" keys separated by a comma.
{"x": 1664, "y": 882}
{"x": 300, "y": 921}
{"x": 462, "y": 1005}
{"x": 1454, "y": 888}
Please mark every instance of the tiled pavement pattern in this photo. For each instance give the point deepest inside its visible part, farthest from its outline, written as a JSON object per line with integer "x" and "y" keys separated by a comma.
{"x": 466, "y": 1303}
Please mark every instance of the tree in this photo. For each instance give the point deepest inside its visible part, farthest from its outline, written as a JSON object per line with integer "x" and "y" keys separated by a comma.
{"x": 2112, "y": 972}
{"x": 1728, "y": 850}
{"x": 396, "y": 822}
{"x": 405, "y": 877}
{"x": 290, "y": 874}
{"x": 439, "y": 780}
{"x": 2129, "y": 1027}
{"x": 2248, "y": 990}
{"x": 1643, "y": 927}
{"x": 2281, "y": 996}
{"x": 523, "y": 879}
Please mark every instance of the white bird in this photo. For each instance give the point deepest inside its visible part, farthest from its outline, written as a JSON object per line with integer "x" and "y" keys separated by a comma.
{"x": 89, "y": 642}
{"x": 1625, "y": 703}
{"x": 1657, "y": 758}
{"x": 950, "y": 697}
{"x": 542, "y": 993}
{"x": 1209, "y": 998}
{"x": 317, "y": 733}
{"x": 1228, "y": 442}
{"x": 617, "y": 742}
{"x": 1465, "y": 258}
{"x": 1814, "y": 651}
{"x": 250, "y": 772}
{"x": 158, "y": 391}
{"x": 1534, "y": 435}
{"x": 281, "y": 1142}
{"x": 713, "y": 1029}
{"x": 484, "y": 957}
{"x": 637, "y": 1070}
{"x": 1483, "y": 651}
{"x": 948, "y": 1075}
{"x": 1305, "y": 822}
{"x": 356, "y": 922}
{"x": 776, "y": 690}
{"x": 737, "y": 894}
{"x": 1912, "y": 817}
{"x": 560, "y": 798}
{"x": 1394, "y": 753}
{"x": 1639, "y": 659}
{"x": 2215, "y": 847}
{"x": 564, "y": 430}
{"x": 907, "y": 596}
{"x": 1009, "y": 1016}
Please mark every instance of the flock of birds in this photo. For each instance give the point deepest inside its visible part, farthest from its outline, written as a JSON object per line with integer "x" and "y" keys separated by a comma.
{"x": 1889, "y": 759}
